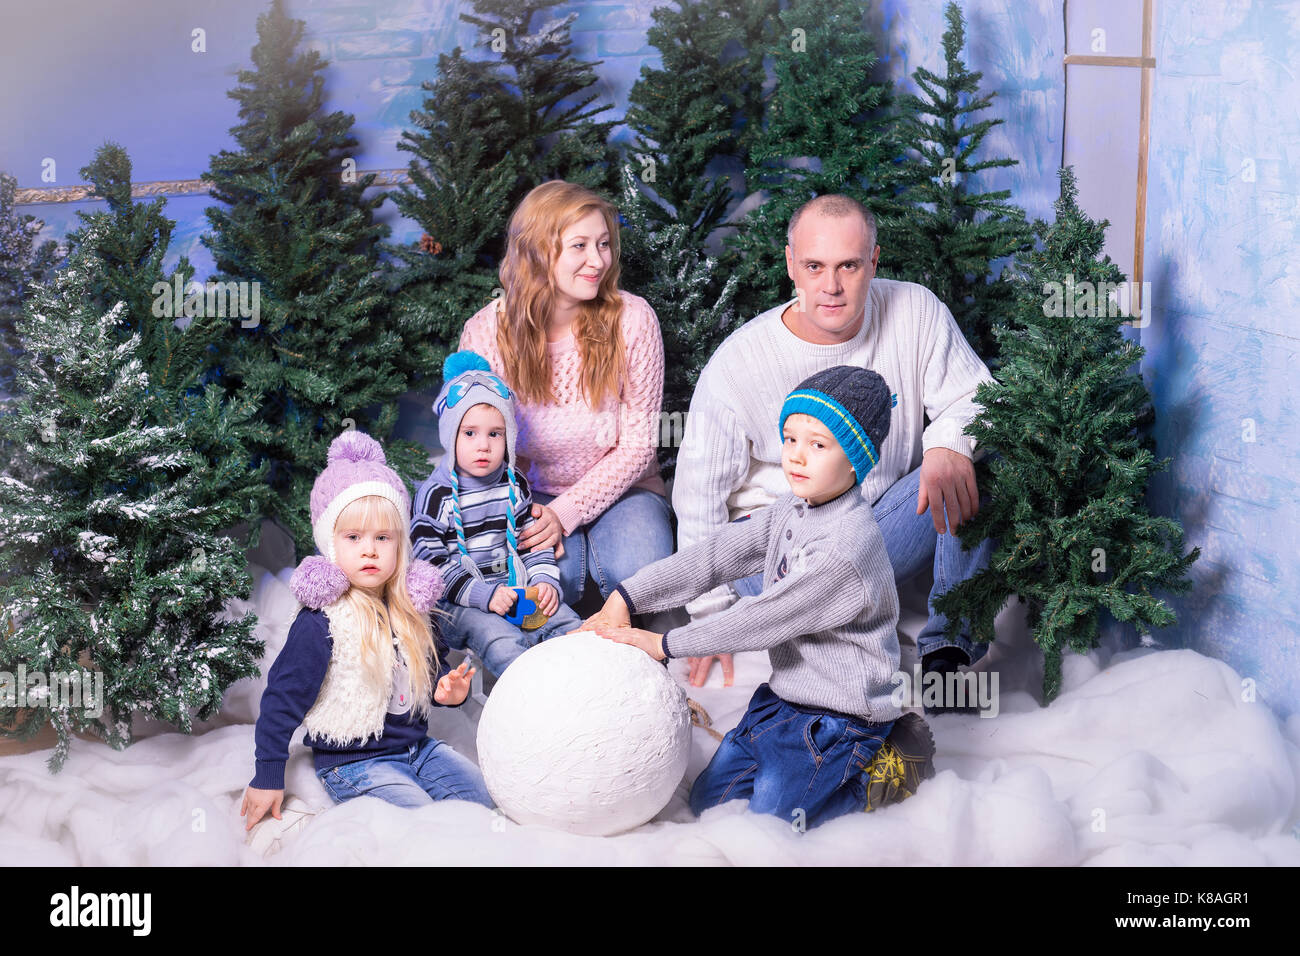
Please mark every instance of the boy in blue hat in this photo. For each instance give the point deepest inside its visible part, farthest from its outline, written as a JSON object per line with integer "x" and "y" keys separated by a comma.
{"x": 806, "y": 747}
{"x": 467, "y": 518}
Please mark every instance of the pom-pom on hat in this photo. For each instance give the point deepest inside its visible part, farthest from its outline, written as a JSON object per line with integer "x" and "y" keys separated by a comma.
{"x": 467, "y": 380}
{"x": 355, "y": 468}
{"x": 854, "y": 403}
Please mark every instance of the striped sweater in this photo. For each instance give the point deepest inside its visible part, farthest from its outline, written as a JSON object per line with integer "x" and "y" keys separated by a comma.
{"x": 484, "y": 505}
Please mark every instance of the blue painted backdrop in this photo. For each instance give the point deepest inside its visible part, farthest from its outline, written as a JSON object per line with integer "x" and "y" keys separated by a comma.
{"x": 1221, "y": 222}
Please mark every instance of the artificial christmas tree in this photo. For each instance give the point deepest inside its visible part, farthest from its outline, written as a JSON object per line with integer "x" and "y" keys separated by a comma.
{"x": 946, "y": 234}
{"x": 325, "y": 352}
{"x": 116, "y": 574}
{"x": 169, "y": 315}
{"x": 21, "y": 267}
{"x": 1071, "y": 461}
{"x": 489, "y": 131}
{"x": 827, "y": 129}
{"x": 677, "y": 279}
{"x": 703, "y": 103}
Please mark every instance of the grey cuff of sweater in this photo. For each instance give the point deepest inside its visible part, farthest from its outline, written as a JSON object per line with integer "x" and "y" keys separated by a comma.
{"x": 631, "y": 608}
{"x": 663, "y": 643}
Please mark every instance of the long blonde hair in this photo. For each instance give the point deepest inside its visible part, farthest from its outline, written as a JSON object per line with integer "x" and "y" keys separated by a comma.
{"x": 532, "y": 248}
{"x": 413, "y": 631}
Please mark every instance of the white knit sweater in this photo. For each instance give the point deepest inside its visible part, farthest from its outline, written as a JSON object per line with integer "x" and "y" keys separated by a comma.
{"x": 730, "y": 460}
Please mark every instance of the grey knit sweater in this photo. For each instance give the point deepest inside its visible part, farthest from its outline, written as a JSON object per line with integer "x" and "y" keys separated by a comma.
{"x": 828, "y": 613}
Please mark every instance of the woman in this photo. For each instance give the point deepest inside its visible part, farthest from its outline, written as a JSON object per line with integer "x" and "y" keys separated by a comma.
{"x": 586, "y": 364}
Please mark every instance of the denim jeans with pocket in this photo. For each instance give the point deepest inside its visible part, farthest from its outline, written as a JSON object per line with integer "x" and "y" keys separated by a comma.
{"x": 912, "y": 544}
{"x": 797, "y": 763}
{"x": 495, "y": 640}
{"x": 411, "y": 777}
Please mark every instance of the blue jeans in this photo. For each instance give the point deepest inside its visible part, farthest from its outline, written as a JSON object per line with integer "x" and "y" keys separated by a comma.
{"x": 495, "y": 640}
{"x": 785, "y": 758}
{"x": 412, "y": 777}
{"x": 633, "y": 532}
{"x": 913, "y": 543}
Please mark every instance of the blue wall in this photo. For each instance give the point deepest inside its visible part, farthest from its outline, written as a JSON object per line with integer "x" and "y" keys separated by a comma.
{"x": 1224, "y": 336}
{"x": 1220, "y": 246}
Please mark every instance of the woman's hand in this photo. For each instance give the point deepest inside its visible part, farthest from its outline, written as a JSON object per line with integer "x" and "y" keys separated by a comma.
{"x": 258, "y": 802}
{"x": 453, "y": 688}
{"x": 545, "y": 532}
{"x": 648, "y": 641}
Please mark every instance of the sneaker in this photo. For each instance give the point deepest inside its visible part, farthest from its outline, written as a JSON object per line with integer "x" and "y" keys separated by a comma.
{"x": 902, "y": 762}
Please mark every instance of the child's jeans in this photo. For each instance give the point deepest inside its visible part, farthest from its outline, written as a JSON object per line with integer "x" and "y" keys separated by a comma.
{"x": 412, "y": 777}
{"x": 495, "y": 640}
{"x": 791, "y": 761}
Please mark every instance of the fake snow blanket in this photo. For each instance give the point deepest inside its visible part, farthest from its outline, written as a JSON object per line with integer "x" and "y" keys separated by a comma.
{"x": 1148, "y": 757}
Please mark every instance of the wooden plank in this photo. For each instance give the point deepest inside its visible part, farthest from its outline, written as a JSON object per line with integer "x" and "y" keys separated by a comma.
{"x": 1089, "y": 59}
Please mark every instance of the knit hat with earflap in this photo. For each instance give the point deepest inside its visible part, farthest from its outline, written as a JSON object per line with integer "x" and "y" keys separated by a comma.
{"x": 355, "y": 468}
{"x": 854, "y": 403}
{"x": 468, "y": 380}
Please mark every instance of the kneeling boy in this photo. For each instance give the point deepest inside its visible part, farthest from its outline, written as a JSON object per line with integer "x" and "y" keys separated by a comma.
{"x": 827, "y": 614}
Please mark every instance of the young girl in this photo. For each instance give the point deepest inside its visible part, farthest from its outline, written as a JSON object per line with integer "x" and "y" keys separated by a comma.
{"x": 361, "y": 666}
{"x": 470, "y": 513}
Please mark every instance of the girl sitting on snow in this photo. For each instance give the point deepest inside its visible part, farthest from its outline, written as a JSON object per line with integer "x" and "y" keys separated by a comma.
{"x": 361, "y": 666}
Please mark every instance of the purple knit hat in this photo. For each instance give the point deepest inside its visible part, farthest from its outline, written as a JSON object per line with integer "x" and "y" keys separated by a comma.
{"x": 355, "y": 468}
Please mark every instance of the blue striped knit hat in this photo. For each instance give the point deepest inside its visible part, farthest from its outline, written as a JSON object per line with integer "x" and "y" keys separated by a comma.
{"x": 854, "y": 403}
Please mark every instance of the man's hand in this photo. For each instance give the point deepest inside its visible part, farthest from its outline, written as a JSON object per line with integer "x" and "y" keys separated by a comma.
{"x": 700, "y": 667}
{"x": 947, "y": 485}
{"x": 545, "y": 532}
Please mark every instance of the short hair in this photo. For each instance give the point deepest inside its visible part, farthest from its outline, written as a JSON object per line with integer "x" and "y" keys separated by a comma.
{"x": 836, "y": 205}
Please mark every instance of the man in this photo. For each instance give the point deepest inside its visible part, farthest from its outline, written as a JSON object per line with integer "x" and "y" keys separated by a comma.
{"x": 730, "y": 459}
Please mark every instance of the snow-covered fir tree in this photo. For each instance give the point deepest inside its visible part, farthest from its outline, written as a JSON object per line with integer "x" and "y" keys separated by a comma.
{"x": 111, "y": 563}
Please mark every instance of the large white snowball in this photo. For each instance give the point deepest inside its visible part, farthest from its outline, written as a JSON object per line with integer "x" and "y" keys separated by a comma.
{"x": 584, "y": 734}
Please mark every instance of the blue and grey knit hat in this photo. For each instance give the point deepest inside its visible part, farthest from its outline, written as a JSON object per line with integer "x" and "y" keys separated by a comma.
{"x": 854, "y": 403}
{"x": 468, "y": 380}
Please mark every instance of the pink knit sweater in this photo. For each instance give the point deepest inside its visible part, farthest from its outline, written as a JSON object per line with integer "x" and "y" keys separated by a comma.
{"x": 588, "y": 456}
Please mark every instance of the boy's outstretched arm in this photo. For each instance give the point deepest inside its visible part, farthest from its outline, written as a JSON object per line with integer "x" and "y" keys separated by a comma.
{"x": 734, "y": 551}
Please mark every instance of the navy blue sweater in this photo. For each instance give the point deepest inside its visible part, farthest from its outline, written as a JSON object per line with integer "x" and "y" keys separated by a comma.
{"x": 291, "y": 690}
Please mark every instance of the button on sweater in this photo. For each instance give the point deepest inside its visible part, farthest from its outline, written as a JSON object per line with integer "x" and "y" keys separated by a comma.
{"x": 828, "y": 612}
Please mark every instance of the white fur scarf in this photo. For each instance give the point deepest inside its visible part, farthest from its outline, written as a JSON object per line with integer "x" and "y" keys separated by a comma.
{"x": 349, "y": 709}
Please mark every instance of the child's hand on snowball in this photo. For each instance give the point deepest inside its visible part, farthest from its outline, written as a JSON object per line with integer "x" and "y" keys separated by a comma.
{"x": 648, "y": 641}
{"x": 613, "y": 614}
{"x": 453, "y": 688}
{"x": 503, "y": 600}
{"x": 548, "y": 599}
{"x": 258, "y": 802}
